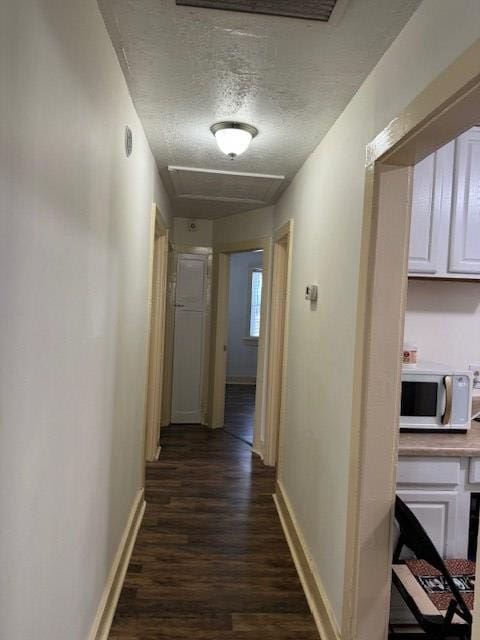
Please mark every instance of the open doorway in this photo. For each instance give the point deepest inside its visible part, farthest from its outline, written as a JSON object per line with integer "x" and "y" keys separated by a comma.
{"x": 244, "y": 319}
{"x": 437, "y": 452}
{"x": 269, "y": 320}
{"x": 277, "y": 348}
{"x": 444, "y": 111}
{"x": 220, "y": 330}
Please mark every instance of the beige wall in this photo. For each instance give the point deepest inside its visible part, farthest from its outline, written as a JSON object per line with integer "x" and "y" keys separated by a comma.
{"x": 443, "y": 320}
{"x": 236, "y": 228}
{"x": 243, "y": 226}
{"x": 201, "y": 237}
{"x": 74, "y": 226}
{"x": 326, "y": 202}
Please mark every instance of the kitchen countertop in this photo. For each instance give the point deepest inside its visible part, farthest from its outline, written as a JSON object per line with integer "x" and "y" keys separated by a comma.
{"x": 460, "y": 445}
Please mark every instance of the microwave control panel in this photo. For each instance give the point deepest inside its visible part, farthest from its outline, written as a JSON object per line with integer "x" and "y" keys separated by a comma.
{"x": 461, "y": 400}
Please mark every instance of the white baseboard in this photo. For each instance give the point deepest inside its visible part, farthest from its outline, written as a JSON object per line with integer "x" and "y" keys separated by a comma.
{"x": 258, "y": 452}
{"x": 251, "y": 380}
{"x": 312, "y": 585}
{"x": 111, "y": 593}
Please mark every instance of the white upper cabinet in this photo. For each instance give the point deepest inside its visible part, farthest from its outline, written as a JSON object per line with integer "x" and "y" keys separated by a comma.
{"x": 465, "y": 228}
{"x": 445, "y": 226}
{"x": 426, "y": 217}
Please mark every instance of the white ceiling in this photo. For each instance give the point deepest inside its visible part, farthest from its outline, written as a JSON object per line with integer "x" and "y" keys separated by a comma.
{"x": 188, "y": 68}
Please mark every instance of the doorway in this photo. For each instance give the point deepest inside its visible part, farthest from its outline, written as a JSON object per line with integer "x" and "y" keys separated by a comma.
{"x": 188, "y": 342}
{"x": 277, "y": 356}
{"x": 187, "y": 335}
{"x": 156, "y": 335}
{"x": 243, "y": 333}
{"x": 442, "y": 112}
{"x": 219, "y": 337}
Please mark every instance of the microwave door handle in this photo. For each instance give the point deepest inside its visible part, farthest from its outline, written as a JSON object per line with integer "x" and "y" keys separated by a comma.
{"x": 448, "y": 382}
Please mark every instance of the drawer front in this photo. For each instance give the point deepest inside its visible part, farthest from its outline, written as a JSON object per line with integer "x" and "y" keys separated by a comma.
{"x": 428, "y": 471}
{"x": 474, "y": 472}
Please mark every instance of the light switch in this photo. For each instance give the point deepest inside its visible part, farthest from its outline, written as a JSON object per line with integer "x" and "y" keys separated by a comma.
{"x": 311, "y": 292}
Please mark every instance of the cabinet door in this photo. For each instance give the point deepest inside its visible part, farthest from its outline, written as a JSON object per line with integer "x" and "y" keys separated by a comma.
{"x": 437, "y": 512}
{"x": 431, "y": 202}
{"x": 465, "y": 227}
{"x": 425, "y": 225}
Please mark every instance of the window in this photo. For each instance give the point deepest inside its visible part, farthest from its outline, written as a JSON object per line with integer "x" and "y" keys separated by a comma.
{"x": 255, "y": 302}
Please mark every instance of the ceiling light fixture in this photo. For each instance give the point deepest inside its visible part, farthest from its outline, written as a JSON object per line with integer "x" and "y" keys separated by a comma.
{"x": 233, "y": 138}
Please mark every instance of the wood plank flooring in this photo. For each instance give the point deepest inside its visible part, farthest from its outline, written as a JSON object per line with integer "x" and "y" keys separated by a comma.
{"x": 240, "y": 411}
{"x": 211, "y": 561}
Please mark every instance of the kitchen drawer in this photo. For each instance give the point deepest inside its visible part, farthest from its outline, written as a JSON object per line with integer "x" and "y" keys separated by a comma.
{"x": 474, "y": 472}
{"x": 429, "y": 471}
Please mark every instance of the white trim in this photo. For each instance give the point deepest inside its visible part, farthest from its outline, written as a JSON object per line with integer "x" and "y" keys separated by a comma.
{"x": 278, "y": 343}
{"x": 251, "y": 270}
{"x": 172, "y": 169}
{"x": 113, "y": 587}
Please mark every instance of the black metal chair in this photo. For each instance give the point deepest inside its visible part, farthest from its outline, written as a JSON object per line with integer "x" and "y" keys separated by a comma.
{"x": 438, "y": 592}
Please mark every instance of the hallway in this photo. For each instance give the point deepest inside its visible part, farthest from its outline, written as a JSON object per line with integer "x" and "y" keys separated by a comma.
{"x": 211, "y": 561}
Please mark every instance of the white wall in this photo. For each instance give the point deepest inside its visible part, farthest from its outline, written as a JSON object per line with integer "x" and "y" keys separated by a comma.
{"x": 242, "y": 354}
{"x": 243, "y": 226}
{"x": 443, "y": 320}
{"x": 235, "y": 228}
{"x": 326, "y": 202}
{"x": 74, "y": 236}
{"x": 201, "y": 237}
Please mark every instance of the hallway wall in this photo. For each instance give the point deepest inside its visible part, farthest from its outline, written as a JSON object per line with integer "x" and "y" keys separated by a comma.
{"x": 326, "y": 202}
{"x": 201, "y": 237}
{"x": 74, "y": 244}
{"x": 243, "y": 226}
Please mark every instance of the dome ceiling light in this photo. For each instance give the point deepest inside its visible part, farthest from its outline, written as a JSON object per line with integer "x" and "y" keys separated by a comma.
{"x": 233, "y": 138}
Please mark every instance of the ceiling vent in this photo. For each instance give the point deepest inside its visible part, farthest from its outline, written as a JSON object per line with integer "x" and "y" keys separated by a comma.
{"x": 255, "y": 189}
{"x": 321, "y": 10}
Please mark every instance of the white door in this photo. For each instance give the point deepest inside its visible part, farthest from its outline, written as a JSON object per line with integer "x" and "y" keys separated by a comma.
{"x": 190, "y": 301}
{"x": 431, "y": 202}
{"x": 465, "y": 231}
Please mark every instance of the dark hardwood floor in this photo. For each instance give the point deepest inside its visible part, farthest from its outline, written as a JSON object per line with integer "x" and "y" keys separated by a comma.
{"x": 210, "y": 561}
{"x": 240, "y": 411}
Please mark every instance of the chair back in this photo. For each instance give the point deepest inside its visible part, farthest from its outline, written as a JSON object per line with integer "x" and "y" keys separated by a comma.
{"x": 414, "y": 537}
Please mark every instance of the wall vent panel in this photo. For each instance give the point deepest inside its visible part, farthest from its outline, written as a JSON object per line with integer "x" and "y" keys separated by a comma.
{"x": 321, "y": 10}
{"x": 255, "y": 189}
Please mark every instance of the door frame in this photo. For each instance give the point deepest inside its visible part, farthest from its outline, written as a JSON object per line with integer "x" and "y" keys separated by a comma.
{"x": 169, "y": 329}
{"x": 446, "y": 108}
{"x": 156, "y": 332}
{"x": 174, "y": 251}
{"x": 277, "y": 342}
{"x": 219, "y": 335}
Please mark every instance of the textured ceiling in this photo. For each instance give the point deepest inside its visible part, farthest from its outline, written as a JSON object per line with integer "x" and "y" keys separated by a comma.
{"x": 188, "y": 68}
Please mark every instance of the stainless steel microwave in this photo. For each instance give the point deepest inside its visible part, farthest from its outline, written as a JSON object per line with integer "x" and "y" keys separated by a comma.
{"x": 435, "y": 397}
